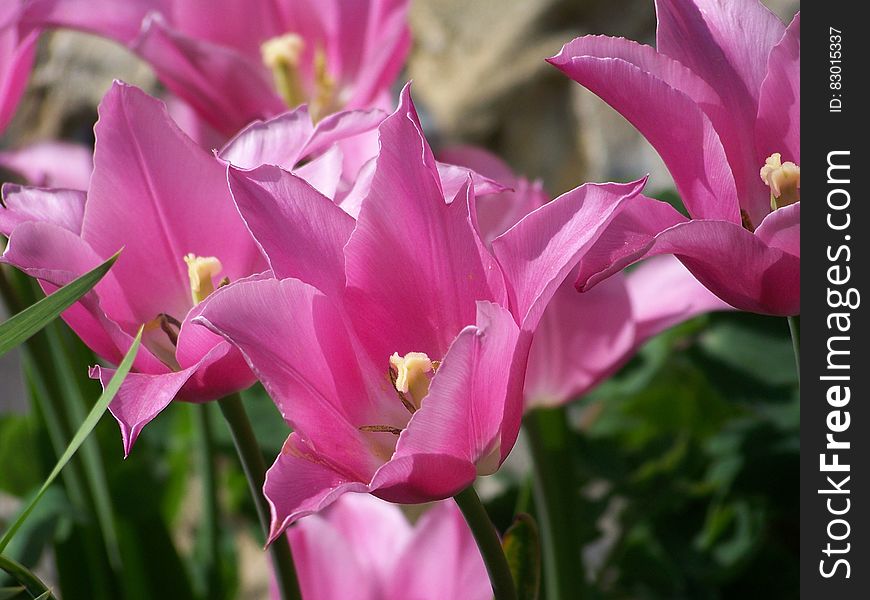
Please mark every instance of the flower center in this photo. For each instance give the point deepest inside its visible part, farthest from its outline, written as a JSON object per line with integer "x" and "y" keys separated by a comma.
{"x": 200, "y": 270}
{"x": 283, "y": 56}
{"x": 413, "y": 373}
{"x": 783, "y": 179}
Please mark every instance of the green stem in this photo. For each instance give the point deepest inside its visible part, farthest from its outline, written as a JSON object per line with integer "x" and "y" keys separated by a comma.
{"x": 255, "y": 471}
{"x": 209, "y": 539}
{"x": 794, "y": 327}
{"x": 22, "y": 575}
{"x": 489, "y": 544}
{"x": 555, "y": 501}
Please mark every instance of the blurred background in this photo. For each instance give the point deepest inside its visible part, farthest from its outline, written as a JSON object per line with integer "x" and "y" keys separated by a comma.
{"x": 686, "y": 460}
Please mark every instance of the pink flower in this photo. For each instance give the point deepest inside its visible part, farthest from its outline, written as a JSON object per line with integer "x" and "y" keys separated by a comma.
{"x": 235, "y": 61}
{"x": 719, "y": 98}
{"x": 165, "y": 201}
{"x": 17, "y": 50}
{"x": 364, "y": 548}
{"x": 394, "y": 344}
{"x": 583, "y": 338}
{"x": 51, "y": 164}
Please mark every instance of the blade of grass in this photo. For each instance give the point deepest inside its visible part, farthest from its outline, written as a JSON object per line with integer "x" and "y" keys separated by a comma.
{"x": 23, "y": 325}
{"x": 80, "y": 436}
{"x": 22, "y": 575}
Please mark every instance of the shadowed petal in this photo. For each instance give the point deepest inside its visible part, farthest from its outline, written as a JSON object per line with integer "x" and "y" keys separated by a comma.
{"x": 782, "y": 229}
{"x": 119, "y": 21}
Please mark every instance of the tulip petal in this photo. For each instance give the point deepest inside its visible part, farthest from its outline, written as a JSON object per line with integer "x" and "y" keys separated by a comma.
{"x": 16, "y": 60}
{"x": 299, "y": 484}
{"x": 672, "y": 121}
{"x": 56, "y": 256}
{"x": 581, "y": 339}
{"x": 235, "y": 91}
{"x": 151, "y": 179}
{"x": 441, "y": 537}
{"x": 119, "y": 21}
{"x": 302, "y": 232}
{"x": 539, "y": 251}
{"x": 51, "y": 164}
{"x": 778, "y": 126}
{"x": 664, "y": 293}
{"x": 140, "y": 398}
{"x": 782, "y": 229}
{"x": 436, "y": 269}
{"x": 295, "y": 340}
{"x": 422, "y": 477}
{"x": 242, "y": 25}
{"x": 64, "y": 208}
{"x": 278, "y": 141}
{"x": 468, "y": 402}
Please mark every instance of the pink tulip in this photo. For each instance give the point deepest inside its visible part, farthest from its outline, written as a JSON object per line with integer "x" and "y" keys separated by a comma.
{"x": 583, "y": 338}
{"x": 51, "y": 164}
{"x": 719, "y": 98}
{"x": 235, "y": 61}
{"x": 165, "y": 201}
{"x": 366, "y": 549}
{"x": 394, "y": 344}
{"x": 17, "y": 50}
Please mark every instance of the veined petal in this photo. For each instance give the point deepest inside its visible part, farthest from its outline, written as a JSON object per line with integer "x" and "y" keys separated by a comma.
{"x": 664, "y": 293}
{"x": 301, "y": 232}
{"x": 675, "y": 125}
{"x": 51, "y": 164}
{"x": 539, "y": 251}
{"x": 295, "y": 340}
{"x": 412, "y": 255}
{"x": 64, "y": 208}
{"x": 158, "y": 195}
{"x": 228, "y": 89}
{"x": 778, "y": 127}
{"x": 299, "y": 484}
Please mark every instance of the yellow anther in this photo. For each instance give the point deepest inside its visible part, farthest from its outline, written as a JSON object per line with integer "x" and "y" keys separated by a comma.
{"x": 413, "y": 374}
{"x": 282, "y": 55}
{"x": 200, "y": 270}
{"x": 783, "y": 179}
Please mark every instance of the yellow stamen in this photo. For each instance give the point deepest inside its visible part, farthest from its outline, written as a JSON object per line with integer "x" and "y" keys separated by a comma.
{"x": 413, "y": 374}
{"x": 324, "y": 86}
{"x": 783, "y": 179}
{"x": 282, "y": 55}
{"x": 200, "y": 270}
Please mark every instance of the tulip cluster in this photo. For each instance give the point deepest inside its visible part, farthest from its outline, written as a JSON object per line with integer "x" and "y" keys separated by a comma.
{"x": 282, "y": 218}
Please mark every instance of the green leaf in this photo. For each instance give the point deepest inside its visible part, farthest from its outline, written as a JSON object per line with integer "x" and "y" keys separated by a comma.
{"x": 81, "y": 435}
{"x": 8, "y": 593}
{"x": 25, "y": 577}
{"x": 21, "y": 326}
{"x": 522, "y": 548}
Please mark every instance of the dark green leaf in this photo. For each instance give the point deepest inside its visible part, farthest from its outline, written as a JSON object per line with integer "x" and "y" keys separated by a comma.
{"x": 522, "y": 548}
